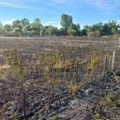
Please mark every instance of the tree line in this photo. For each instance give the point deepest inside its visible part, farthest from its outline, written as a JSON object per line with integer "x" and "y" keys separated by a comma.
{"x": 68, "y": 27}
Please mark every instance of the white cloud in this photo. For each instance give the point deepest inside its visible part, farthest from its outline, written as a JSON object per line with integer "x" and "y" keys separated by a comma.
{"x": 8, "y": 21}
{"x": 101, "y": 4}
{"x": 15, "y": 5}
{"x": 58, "y": 1}
{"x": 118, "y": 21}
{"x": 54, "y": 23}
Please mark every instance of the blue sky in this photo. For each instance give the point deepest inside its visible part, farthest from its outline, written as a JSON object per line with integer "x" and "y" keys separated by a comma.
{"x": 49, "y": 11}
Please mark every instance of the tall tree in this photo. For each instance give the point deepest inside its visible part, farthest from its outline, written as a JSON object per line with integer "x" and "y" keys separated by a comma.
{"x": 84, "y": 30}
{"x": 7, "y": 29}
{"x": 73, "y": 29}
{"x": 106, "y": 29}
{"x": 36, "y": 26}
{"x": 113, "y": 26}
{"x": 50, "y": 30}
{"x": 66, "y": 20}
{"x": 16, "y": 26}
{"x": 25, "y": 26}
{"x": 1, "y": 28}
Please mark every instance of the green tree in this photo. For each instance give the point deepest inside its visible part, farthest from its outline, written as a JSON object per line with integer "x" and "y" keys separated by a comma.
{"x": 113, "y": 27}
{"x": 61, "y": 31}
{"x": 66, "y": 20}
{"x": 50, "y": 30}
{"x": 16, "y": 26}
{"x": 25, "y": 25}
{"x": 7, "y": 29}
{"x": 94, "y": 30}
{"x": 72, "y": 30}
{"x": 106, "y": 29}
{"x": 36, "y": 26}
{"x": 84, "y": 30}
{"x": 1, "y": 29}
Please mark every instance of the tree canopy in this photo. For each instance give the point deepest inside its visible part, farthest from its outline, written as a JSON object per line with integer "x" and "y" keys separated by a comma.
{"x": 68, "y": 27}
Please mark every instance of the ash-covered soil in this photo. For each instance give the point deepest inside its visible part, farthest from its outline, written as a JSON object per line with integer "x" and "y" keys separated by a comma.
{"x": 35, "y": 99}
{"x": 98, "y": 100}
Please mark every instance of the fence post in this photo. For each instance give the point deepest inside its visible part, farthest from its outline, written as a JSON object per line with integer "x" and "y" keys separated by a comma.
{"x": 19, "y": 37}
{"x": 105, "y": 67}
{"x": 119, "y": 41}
{"x": 113, "y": 60}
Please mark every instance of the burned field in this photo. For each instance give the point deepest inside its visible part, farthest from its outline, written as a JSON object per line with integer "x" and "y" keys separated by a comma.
{"x": 59, "y": 79}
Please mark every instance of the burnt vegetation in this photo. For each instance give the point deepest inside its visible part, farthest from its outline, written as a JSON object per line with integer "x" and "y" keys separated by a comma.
{"x": 59, "y": 78}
